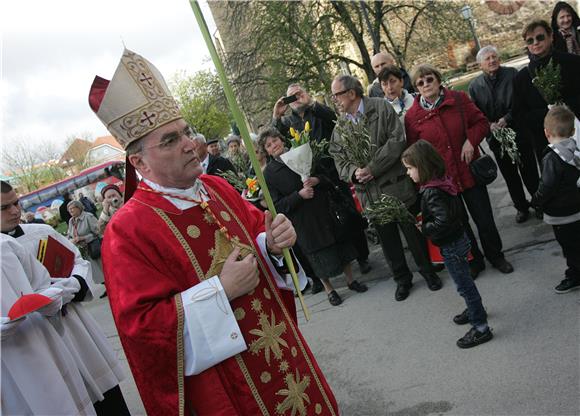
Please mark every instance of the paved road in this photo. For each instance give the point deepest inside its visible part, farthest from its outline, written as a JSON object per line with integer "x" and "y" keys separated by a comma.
{"x": 383, "y": 357}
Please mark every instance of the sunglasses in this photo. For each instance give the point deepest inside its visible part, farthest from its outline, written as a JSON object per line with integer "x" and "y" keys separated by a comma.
{"x": 538, "y": 38}
{"x": 427, "y": 80}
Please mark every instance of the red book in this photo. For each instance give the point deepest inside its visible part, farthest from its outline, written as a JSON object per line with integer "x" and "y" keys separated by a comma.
{"x": 58, "y": 259}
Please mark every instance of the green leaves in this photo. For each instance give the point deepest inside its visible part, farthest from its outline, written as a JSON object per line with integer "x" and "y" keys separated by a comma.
{"x": 549, "y": 83}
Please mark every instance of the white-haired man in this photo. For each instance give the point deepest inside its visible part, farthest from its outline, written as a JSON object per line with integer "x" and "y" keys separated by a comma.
{"x": 492, "y": 92}
{"x": 205, "y": 318}
{"x": 212, "y": 165}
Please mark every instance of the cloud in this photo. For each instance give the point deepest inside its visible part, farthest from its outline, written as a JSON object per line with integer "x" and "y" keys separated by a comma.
{"x": 51, "y": 52}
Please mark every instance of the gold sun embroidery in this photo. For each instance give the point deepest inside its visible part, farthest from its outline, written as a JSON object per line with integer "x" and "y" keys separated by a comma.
{"x": 269, "y": 338}
{"x": 296, "y": 400}
{"x": 284, "y": 366}
{"x": 256, "y": 305}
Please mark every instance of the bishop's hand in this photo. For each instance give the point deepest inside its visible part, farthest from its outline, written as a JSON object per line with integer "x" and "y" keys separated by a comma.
{"x": 280, "y": 233}
{"x": 239, "y": 277}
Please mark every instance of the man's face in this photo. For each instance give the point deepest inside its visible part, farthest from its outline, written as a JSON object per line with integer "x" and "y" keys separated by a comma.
{"x": 303, "y": 100}
{"x": 168, "y": 157}
{"x": 490, "y": 63}
{"x": 200, "y": 149}
{"x": 393, "y": 87}
{"x": 9, "y": 211}
{"x": 346, "y": 100}
{"x": 213, "y": 149}
{"x": 538, "y": 41}
{"x": 381, "y": 60}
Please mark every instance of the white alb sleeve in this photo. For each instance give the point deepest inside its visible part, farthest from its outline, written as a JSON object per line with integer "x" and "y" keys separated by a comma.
{"x": 283, "y": 282}
{"x": 211, "y": 333}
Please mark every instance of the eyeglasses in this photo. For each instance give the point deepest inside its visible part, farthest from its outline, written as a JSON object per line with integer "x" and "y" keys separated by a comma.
{"x": 427, "y": 80}
{"x": 539, "y": 38}
{"x": 170, "y": 139}
{"x": 338, "y": 94}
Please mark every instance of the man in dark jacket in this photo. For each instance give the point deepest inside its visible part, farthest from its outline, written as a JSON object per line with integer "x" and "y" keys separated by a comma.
{"x": 384, "y": 174}
{"x": 212, "y": 165}
{"x": 321, "y": 119}
{"x": 63, "y": 210}
{"x": 529, "y": 106}
{"x": 492, "y": 93}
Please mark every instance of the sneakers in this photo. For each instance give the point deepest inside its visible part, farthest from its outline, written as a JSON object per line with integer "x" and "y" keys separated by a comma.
{"x": 334, "y": 298}
{"x": 503, "y": 265}
{"x": 462, "y": 318}
{"x": 522, "y": 216}
{"x": 473, "y": 338}
{"x": 357, "y": 287}
{"x": 364, "y": 266}
{"x": 403, "y": 292}
{"x": 567, "y": 285}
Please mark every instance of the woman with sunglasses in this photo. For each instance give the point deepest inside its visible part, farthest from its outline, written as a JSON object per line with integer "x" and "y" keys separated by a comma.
{"x": 566, "y": 28}
{"x": 529, "y": 105}
{"x": 452, "y": 123}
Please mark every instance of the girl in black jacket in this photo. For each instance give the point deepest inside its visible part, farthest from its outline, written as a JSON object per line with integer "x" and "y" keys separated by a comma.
{"x": 442, "y": 212}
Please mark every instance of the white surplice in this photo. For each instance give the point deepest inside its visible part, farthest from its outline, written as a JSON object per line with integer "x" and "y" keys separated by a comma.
{"x": 39, "y": 374}
{"x": 93, "y": 354}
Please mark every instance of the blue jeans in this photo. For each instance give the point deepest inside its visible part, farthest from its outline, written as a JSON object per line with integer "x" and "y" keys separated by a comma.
{"x": 455, "y": 259}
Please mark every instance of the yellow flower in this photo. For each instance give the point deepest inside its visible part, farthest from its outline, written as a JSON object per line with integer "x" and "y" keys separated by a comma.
{"x": 297, "y": 138}
{"x": 248, "y": 181}
{"x": 293, "y": 132}
{"x": 307, "y": 127}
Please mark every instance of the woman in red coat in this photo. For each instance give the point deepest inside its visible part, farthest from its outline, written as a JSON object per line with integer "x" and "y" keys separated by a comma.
{"x": 452, "y": 123}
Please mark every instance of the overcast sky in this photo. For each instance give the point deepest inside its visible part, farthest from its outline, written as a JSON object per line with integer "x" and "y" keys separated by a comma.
{"x": 52, "y": 50}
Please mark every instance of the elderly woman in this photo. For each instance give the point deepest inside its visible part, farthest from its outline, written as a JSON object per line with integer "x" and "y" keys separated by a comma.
{"x": 452, "y": 123}
{"x": 82, "y": 230}
{"x": 307, "y": 205}
{"x": 566, "y": 28}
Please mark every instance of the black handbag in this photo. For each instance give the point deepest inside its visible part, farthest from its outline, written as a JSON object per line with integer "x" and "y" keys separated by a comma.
{"x": 484, "y": 168}
{"x": 344, "y": 215}
{"x": 94, "y": 249}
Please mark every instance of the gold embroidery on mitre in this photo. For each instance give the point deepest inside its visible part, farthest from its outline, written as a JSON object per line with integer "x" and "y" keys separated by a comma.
{"x": 294, "y": 352}
{"x": 240, "y": 314}
{"x": 225, "y": 216}
{"x": 296, "y": 399}
{"x": 269, "y": 337}
{"x": 193, "y": 231}
{"x": 267, "y": 294}
{"x": 222, "y": 249}
{"x": 318, "y": 408}
{"x": 265, "y": 377}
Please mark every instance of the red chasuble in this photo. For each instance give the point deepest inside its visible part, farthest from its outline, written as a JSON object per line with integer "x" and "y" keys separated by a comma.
{"x": 151, "y": 252}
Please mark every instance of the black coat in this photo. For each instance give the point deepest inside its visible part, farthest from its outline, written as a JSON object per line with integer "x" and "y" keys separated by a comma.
{"x": 529, "y": 108}
{"x": 217, "y": 164}
{"x": 310, "y": 217}
{"x": 557, "y": 193}
{"x": 494, "y": 98}
{"x": 442, "y": 213}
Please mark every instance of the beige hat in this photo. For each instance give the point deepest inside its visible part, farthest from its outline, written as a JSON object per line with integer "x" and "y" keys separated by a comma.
{"x": 135, "y": 102}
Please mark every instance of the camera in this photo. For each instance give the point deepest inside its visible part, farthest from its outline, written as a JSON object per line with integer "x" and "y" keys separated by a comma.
{"x": 289, "y": 99}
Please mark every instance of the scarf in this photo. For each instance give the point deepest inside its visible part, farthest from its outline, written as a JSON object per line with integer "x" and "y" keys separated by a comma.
{"x": 445, "y": 183}
{"x": 430, "y": 106}
{"x": 571, "y": 40}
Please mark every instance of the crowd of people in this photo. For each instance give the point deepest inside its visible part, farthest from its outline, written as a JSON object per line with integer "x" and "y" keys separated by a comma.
{"x": 194, "y": 269}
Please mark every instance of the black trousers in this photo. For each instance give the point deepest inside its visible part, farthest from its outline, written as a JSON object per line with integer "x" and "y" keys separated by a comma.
{"x": 394, "y": 253}
{"x": 514, "y": 174}
{"x": 477, "y": 201}
{"x": 112, "y": 404}
{"x": 567, "y": 236}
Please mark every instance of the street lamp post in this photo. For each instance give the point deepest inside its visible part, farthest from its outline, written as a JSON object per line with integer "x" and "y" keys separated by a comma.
{"x": 468, "y": 15}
